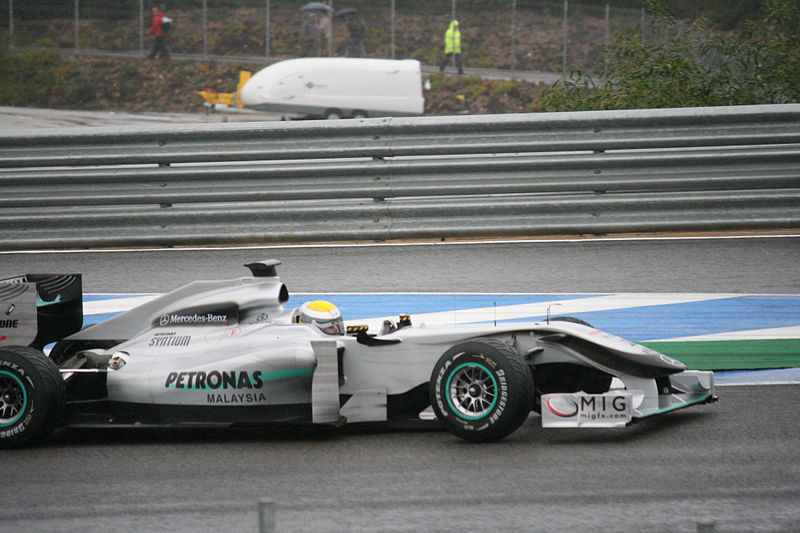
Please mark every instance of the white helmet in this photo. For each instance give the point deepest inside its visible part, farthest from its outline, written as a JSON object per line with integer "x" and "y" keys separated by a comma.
{"x": 322, "y": 314}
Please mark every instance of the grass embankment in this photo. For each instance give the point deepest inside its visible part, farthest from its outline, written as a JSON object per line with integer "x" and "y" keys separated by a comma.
{"x": 43, "y": 78}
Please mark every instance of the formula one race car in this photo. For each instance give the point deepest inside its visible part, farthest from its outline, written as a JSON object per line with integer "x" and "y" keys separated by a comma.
{"x": 228, "y": 353}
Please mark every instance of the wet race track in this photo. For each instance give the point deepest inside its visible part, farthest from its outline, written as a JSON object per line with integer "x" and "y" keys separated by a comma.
{"x": 735, "y": 463}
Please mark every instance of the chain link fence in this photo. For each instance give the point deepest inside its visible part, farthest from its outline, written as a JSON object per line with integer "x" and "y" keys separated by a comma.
{"x": 529, "y": 35}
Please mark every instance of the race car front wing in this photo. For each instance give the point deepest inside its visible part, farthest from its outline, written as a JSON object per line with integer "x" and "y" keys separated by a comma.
{"x": 629, "y": 399}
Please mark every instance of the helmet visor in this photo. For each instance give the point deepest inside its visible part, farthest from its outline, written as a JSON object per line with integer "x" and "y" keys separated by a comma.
{"x": 331, "y": 327}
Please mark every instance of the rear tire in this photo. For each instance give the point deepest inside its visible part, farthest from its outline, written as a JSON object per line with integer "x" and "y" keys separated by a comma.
{"x": 482, "y": 390}
{"x": 32, "y": 396}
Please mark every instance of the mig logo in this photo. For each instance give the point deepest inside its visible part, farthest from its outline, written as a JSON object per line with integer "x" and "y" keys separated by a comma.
{"x": 562, "y": 407}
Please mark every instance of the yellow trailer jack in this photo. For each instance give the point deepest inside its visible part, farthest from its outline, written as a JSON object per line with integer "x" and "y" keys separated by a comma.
{"x": 225, "y": 101}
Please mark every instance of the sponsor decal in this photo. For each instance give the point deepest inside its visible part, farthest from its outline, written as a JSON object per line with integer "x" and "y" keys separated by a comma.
{"x": 9, "y": 323}
{"x": 249, "y": 397}
{"x": 170, "y": 339}
{"x": 17, "y": 369}
{"x": 438, "y": 389}
{"x": 234, "y": 332}
{"x": 501, "y": 376}
{"x": 225, "y": 315}
{"x": 562, "y": 407}
{"x": 603, "y": 407}
{"x": 669, "y": 360}
{"x": 489, "y": 361}
{"x": 20, "y": 427}
{"x": 214, "y": 380}
{"x": 588, "y": 408}
{"x": 10, "y": 309}
{"x": 195, "y": 319}
{"x": 230, "y": 387}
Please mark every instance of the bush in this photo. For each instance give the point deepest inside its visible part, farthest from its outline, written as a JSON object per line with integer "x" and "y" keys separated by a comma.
{"x": 30, "y": 77}
{"x": 685, "y": 66}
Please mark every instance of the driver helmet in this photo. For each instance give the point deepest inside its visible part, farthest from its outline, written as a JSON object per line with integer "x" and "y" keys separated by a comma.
{"x": 322, "y": 314}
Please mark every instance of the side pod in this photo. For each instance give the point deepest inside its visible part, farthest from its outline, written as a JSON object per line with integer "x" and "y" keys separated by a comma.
{"x": 364, "y": 406}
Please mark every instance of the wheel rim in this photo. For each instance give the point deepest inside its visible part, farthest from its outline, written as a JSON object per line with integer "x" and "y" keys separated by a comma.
{"x": 13, "y": 399}
{"x": 472, "y": 391}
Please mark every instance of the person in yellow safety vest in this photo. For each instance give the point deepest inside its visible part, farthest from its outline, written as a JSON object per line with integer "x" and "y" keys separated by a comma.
{"x": 452, "y": 46}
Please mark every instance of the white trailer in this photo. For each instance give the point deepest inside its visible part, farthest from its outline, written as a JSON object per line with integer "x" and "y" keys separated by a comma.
{"x": 337, "y": 87}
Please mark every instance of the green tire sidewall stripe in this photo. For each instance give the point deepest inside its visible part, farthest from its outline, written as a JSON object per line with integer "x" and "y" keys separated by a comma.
{"x": 25, "y": 398}
{"x": 450, "y": 401}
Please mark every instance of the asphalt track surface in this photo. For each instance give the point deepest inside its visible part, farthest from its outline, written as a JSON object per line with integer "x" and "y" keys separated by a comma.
{"x": 711, "y": 265}
{"x": 735, "y": 463}
{"x": 14, "y": 118}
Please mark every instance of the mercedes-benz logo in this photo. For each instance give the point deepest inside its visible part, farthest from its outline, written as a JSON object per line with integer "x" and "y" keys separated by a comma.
{"x": 164, "y": 320}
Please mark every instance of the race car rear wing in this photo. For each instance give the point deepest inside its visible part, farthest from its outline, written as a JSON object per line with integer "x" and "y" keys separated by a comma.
{"x": 37, "y": 309}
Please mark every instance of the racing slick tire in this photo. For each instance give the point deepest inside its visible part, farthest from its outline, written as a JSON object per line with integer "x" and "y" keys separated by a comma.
{"x": 32, "y": 396}
{"x": 482, "y": 390}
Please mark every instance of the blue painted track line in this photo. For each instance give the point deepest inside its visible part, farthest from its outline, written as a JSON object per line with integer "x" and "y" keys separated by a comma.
{"x": 637, "y": 322}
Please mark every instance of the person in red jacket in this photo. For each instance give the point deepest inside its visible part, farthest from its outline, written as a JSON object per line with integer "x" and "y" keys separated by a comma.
{"x": 160, "y": 46}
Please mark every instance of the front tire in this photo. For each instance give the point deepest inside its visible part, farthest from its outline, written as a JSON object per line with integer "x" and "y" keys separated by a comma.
{"x": 32, "y": 396}
{"x": 482, "y": 390}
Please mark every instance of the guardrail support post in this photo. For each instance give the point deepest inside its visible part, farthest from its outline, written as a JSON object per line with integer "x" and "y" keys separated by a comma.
{"x": 706, "y": 526}
{"x": 11, "y": 24}
{"x": 564, "y": 43}
{"x": 266, "y": 516}
{"x": 77, "y": 25}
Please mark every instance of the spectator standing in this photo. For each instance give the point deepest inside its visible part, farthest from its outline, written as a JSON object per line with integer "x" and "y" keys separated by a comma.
{"x": 324, "y": 30}
{"x": 310, "y": 36}
{"x": 357, "y": 30}
{"x": 452, "y": 47}
{"x": 160, "y": 45}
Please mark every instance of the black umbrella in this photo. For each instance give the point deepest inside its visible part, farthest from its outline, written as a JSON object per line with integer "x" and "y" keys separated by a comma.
{"x": 315, "y": 7}
{"x": 346, "y": 11}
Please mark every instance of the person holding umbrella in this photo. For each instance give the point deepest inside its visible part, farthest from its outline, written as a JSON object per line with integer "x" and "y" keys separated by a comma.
{"x": 324, "y": 29}
{"x": 310, "y": 35}
{"x": 323, "y": 23}
{"x": 315, "y": 7}
{"x": 357, "y": 30}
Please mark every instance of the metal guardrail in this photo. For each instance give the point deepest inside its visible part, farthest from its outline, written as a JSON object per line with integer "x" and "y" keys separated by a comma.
{"x": 389, "y": 178}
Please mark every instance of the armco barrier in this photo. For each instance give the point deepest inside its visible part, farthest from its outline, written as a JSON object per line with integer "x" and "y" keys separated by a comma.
{"x": 688, "y": 169}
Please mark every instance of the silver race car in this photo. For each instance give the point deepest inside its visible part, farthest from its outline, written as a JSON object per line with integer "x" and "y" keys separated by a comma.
{"x": 229, "y": 353}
